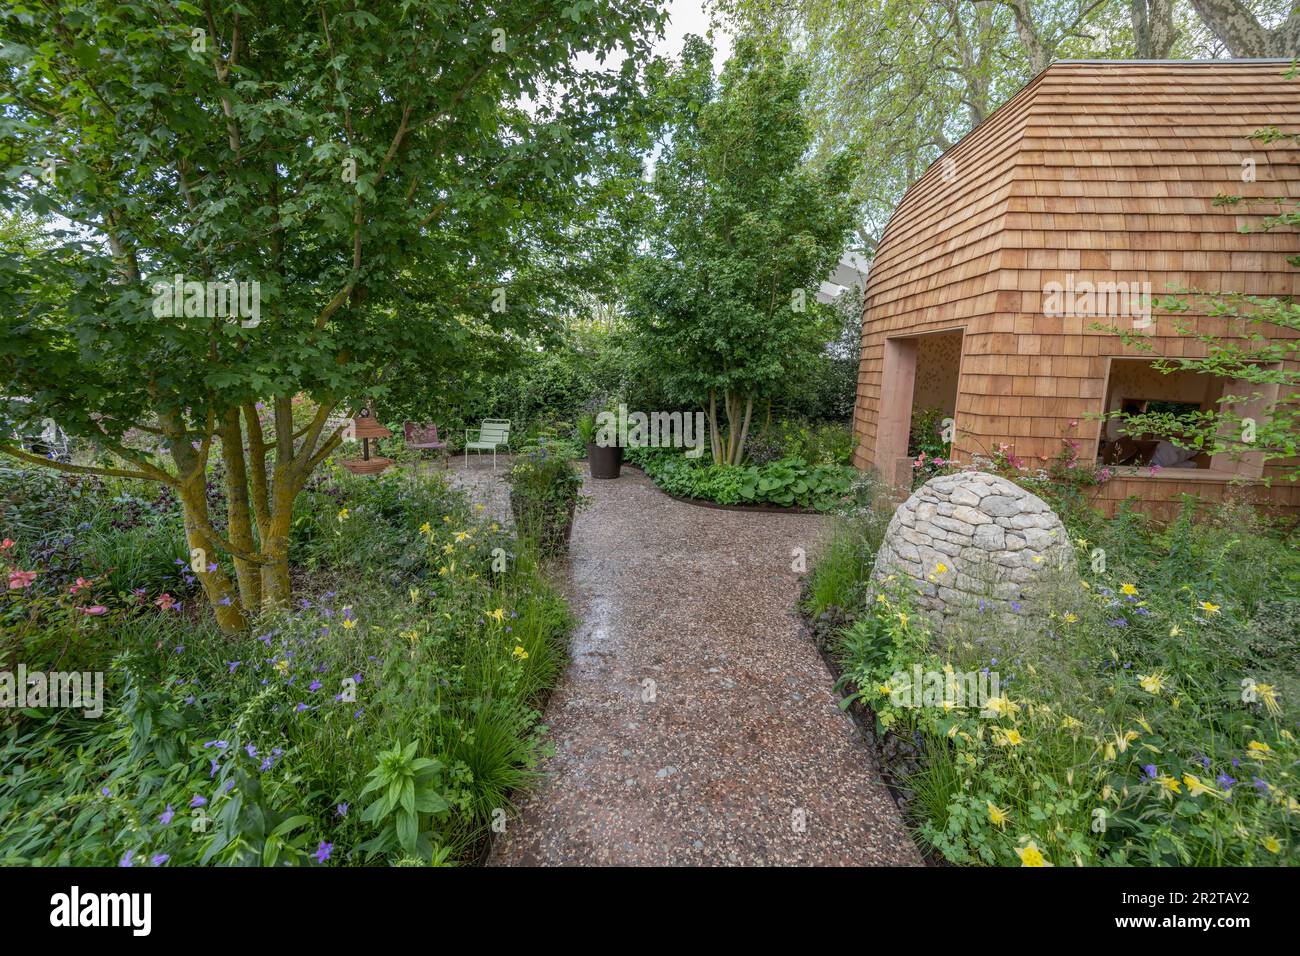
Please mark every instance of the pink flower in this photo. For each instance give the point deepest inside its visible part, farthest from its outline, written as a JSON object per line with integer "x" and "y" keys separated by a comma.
{"x": 95, "y": 609}
{"x": 21, "y": 579}
{"x": 81, "y": 583}
{"x": 6, "y": 544}
{"x": 166, "y": 602}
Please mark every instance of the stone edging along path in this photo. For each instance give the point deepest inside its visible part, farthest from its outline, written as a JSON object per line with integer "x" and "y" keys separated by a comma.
{"x": 696, "y": 723}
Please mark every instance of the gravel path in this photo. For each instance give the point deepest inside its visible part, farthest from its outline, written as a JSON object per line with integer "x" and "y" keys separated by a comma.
{"x": 695, "y": 724}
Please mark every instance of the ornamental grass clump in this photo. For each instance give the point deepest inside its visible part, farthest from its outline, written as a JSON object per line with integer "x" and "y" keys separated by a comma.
{"x": 545, "y": 495}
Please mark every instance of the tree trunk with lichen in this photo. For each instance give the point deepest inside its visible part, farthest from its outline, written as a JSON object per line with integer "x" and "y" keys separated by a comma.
{"x": 259, "y": 507}
{"x": 238, "y": 515}
{"x": 204, "y": 554}
{"x": 729, "y": 447}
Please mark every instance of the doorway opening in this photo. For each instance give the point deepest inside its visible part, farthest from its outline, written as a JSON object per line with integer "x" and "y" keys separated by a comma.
{"x": 918, "y": 404}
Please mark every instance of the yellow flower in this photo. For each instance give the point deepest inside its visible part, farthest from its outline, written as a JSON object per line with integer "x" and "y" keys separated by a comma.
{"x": 1127, "y": 589}
{"x": 902, "y": 619}
{"x": 885, "y": 689}
{"x": 1175, "y": 631}
{"x": 348, "y": 624}
{"x": 1030, "y": 855}
{"x": 478, "y": 507}
{"x": 1081, "y": 542}
{"x": 1268, "y": 693}
{"x": 1170, "y": 784}
{"x": 425, "y": 528}
{"x": 282, "y": 666}
{"x": 446, "y": 519}
{"x": 881, "y": 599}
{"x": 1012, "y": 738}
{"x": 461, "y": 535}
{"x": 448, "y": 548}
{"x": 343, "y": 515}
{"x": 1258, "y": 750}
{"x": 1271, "y": 844}
{"x": 1152, "y": 683}
{"x": 1069, "y": 723}
{"x": 498, "y": 615}
{"x": 940, "y": 568}
{"x": 1001, "y": 705}
{"x": 1086, "y": 585}
{"x": 1195, "y": 787}
{"x": 442, "y": 570}
{"x": 997, "y": 816}
{"x": 520, "y": 653}
{"x": 1209, "y": 608}
{"x": 1070, "y": 617}
{"x": 411, "y": 636}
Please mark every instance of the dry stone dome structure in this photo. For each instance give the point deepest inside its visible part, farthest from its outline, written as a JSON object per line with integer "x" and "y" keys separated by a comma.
{"x": 971, "y": 537}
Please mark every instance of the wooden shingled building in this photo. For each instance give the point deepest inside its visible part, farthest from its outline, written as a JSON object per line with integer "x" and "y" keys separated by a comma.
{"x": 1097, "y": 177}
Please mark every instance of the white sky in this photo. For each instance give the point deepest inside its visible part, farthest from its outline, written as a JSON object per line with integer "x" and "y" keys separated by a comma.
{"x": 689, "y": 16}
{"x": 684, "y": 16}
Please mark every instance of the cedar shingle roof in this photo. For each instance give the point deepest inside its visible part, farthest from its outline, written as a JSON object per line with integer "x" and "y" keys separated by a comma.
{"x": 1104, "y": 169}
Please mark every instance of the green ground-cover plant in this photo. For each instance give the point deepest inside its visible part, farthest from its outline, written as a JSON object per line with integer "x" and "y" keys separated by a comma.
{"x": 1145, "y": 719}
{"x": 790, "y": 482}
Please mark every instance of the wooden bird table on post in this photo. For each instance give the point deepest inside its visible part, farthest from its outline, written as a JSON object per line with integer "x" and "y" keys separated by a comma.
{"x": 365, "y": 428}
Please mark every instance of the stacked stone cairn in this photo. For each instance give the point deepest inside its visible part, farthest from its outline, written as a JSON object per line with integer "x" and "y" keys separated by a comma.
{"x": 973, "y": 539}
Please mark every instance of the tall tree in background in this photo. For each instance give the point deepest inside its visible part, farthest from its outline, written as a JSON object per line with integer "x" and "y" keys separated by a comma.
{"x": 1241, "y": 28}
{"x": 1046, "y": 26}
{"x": 894, "y": 81}
{"x": 1154, "y": 32}
{"x": 899, "y": 81}
{"x": 370, "y": 165}
{"x": 743, "y": 232}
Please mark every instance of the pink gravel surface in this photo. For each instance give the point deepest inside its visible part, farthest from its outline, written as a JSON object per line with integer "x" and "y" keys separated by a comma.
{"x": 696, "y": 724}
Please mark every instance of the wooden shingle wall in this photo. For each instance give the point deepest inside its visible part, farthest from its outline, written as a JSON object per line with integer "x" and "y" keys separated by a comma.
{"x": 1104, "y": 172}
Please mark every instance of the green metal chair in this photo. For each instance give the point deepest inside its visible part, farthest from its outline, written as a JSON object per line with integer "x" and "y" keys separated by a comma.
{"x": 494, "y": 433}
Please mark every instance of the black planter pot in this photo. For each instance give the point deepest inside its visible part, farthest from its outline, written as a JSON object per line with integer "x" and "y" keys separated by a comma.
{"x": 605, "y": 462}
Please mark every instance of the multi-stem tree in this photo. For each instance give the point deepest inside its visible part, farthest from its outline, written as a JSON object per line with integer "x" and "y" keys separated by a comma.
{"x": 743, "y": 231}
{"x": 386, "y": 173}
